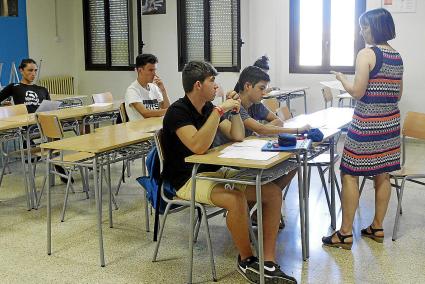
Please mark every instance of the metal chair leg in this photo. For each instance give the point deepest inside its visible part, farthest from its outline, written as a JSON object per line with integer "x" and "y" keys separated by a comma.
{"x": 66, "y": 196}
{"x": 197, "y": 225}
{"x": 397, "y": 214}
{"x": 207, "y": 229}
{"x": 397, "y": 190}
{"x": 325, "y": 188}
{"x": 362, "y": 186}
{"x": 155, "y": 253}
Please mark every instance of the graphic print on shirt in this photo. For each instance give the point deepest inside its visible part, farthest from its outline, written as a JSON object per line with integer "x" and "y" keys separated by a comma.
{"x": 151, "y": 104}
{"x": 31, "y": 98}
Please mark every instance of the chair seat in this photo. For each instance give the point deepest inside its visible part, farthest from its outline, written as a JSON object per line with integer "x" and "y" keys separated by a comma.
{"x": 407, "y": 171}
{"x": 323, "y": 159}
{"x": 75, "y": 157}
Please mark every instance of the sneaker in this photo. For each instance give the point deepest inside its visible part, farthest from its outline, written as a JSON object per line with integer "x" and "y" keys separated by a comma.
{"x": 272, "y": 274}
{"x": 243, "y": 265}
{"x": 61, "y": 170}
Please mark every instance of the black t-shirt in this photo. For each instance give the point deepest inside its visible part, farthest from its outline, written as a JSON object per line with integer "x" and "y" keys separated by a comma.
{"x": 179, "y": 114}
{"x": 30, "y": 95}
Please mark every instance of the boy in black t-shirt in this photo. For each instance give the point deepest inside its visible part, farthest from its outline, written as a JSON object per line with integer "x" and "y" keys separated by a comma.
{"x": 189, "y": 127}
{"x": 25, "y": 92}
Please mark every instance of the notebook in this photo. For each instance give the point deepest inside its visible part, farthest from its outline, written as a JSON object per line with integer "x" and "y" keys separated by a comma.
{"x": 47, "y": 105}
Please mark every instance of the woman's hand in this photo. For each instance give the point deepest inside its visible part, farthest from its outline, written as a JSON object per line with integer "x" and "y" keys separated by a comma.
{"x": 339, "y": 76}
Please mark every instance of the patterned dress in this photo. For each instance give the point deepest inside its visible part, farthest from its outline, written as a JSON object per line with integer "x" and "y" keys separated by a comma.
{"x": 372, "y": 145}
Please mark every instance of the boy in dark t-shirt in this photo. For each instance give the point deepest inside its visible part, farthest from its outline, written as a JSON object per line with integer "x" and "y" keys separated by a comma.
{"x": 25, "y": 92}
{"x": 189, "y": 127}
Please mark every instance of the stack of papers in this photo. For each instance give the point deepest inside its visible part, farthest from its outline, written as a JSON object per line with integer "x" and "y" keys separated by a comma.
{"x": 248, "y": 150}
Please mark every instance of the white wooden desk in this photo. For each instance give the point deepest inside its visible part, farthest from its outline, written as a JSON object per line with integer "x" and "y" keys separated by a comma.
{"x": 286, "y": 94}
{"x": 263, "y": 172}
{"x": 101, "y": 144}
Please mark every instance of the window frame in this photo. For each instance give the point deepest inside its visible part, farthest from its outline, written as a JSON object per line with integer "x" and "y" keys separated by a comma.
{"x": 89, "y": 65}
{"x": 294, "y": 39}
{"x": 182, "y": 40}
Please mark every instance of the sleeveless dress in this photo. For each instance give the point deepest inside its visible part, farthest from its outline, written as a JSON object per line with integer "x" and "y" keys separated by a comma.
{"x": 372, "y": 145}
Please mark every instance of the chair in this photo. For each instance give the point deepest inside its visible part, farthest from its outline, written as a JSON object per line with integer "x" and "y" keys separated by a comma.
{"x": 271, "y": 104}
{"x": 283, "y": 113}
{"x": 345, "y": 96}
{"x": 51, "y": 129}
{"x": 327, "y": 96}
{"x": 123, "y": 113}
{"x": 413, "y": 127}
{"x": 183, "y": 204}
{"x": 103, "y": 98}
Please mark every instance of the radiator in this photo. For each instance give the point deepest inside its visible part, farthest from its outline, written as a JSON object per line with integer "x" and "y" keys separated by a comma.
{"x": 63, "y": 85}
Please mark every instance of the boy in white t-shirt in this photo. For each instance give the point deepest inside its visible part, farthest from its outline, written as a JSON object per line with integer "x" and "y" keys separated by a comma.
{"x": 146, "y": 97}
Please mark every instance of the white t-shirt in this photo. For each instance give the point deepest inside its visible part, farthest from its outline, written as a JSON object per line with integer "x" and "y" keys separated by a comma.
{"x": 150, "y": 98}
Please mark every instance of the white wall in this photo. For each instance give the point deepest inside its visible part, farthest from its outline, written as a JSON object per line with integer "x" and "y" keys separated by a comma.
{"x": 57, "y": 53}
{"x": 265, "y": 30}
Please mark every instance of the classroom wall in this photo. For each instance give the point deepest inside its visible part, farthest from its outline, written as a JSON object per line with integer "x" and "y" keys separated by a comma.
{"x": 265, "y": 30}
{"x": 13, "y": 41}
{"x": 56, "y": 50}
{"x": 160, "y": 37}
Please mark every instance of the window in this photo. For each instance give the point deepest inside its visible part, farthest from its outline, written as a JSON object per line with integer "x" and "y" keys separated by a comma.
{"x": 210, "y": 30}
{"x": 324, "y": 35}
{"x": 110, "y": 42}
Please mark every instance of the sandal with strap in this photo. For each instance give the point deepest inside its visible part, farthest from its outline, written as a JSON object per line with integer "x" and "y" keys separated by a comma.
{"x": 327, "y": 241}
{"x": 370, "y": 232}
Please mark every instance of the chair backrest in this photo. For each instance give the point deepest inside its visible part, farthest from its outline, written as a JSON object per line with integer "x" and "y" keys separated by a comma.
{"x": 8, "y": 111}
{"x": 50, "y": 126}
{"x": 271, "y": 104}
{"x": 123, "y": 113}
{"x": 103, "y": 98}
{"x": 284, "y": 113}
{"x": 327, "y": 96}
{"x": 158, "y": 143}
{"x": 414, "y": 125}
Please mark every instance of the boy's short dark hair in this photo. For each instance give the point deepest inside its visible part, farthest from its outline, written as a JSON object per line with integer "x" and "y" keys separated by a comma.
{"x": 381, "y": 24}
{"x": 143, "y": 59}
{"x": 262, "y": 62}
{"x": 252, "y": 75}
{"x": 25, "y": 62}
{"x": 195, "y": 71}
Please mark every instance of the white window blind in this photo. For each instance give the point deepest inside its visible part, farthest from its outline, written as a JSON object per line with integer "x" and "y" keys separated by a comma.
{"x": 195, "y": 29}
{"x": 222, "y": 33}
{"x": 118, "y": 10}
{"x": 97, "y": 31}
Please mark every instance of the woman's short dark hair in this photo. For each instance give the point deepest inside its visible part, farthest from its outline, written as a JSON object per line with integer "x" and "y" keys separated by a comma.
{"x": 262, "y": 62}
{"x": 25, "y": 62}
{"x": 143, "y": 59}
{"x": 381, "y": 24}
{"x": 252, "y": 75}
{"x": 195, "y": 71}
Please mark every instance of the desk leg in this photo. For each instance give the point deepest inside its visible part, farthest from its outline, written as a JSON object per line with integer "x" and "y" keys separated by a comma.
{"x": 260, "y": 225}
{"x": 31, "y": 178}
{"x": 332, "y": 174}
{"x": 49, "y": 213}
{"x": 108, "y": 173}
{"x": 301, "y": 189}
{"x": 99, "y": 211}
{"x": 145, "y": 197}
{"x": 306, "y": 206}
{"x": 27, "y": 191}
{"x": 192, "y": 222}
{"x": 305, "y": 101}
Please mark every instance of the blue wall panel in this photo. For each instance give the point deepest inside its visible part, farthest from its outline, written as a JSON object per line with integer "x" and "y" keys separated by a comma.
{"x": 13, "y": 40}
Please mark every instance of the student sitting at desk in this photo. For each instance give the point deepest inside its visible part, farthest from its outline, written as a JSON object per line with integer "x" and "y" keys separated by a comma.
{"x": 146, "y": 97}
{"x": 25, "y": 92}
{"x": 189, "y": 127}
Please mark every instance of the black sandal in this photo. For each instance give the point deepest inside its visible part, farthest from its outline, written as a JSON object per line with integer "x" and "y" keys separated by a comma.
{"x": 372, "y": 234}
{"x": 327, "y": 241}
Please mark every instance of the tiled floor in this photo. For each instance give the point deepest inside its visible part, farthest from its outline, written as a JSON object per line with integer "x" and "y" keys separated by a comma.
{"x": 129, "y": 248}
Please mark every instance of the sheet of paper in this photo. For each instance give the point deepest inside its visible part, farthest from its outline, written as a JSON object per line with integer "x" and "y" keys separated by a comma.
{"x": 248, "y": 154}
{"x": 100, "y": 104}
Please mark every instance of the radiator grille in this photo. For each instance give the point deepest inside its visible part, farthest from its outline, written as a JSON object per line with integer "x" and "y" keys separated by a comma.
{"x": 63, "y": 85}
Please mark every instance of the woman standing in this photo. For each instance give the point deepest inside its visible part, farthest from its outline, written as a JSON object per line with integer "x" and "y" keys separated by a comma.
{"x": 372, "y": 146}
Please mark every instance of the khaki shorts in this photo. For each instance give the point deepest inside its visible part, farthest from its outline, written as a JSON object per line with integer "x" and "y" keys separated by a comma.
{"x": 205, "y": 187}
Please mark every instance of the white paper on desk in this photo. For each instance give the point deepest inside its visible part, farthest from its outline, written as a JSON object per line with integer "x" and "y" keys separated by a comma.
{"x": 255, "y": 143}
{"x": 100, "y": 104}
{"x": 248, "y": 154}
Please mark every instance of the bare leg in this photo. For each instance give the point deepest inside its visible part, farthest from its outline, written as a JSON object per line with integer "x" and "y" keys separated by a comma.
{"x": 283, "y": 181}
{"x": 237, "y": 216}
{"x": 382, "y": 197}
{"x": 350, "y": 202}
{"x": 272, "y": 202}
